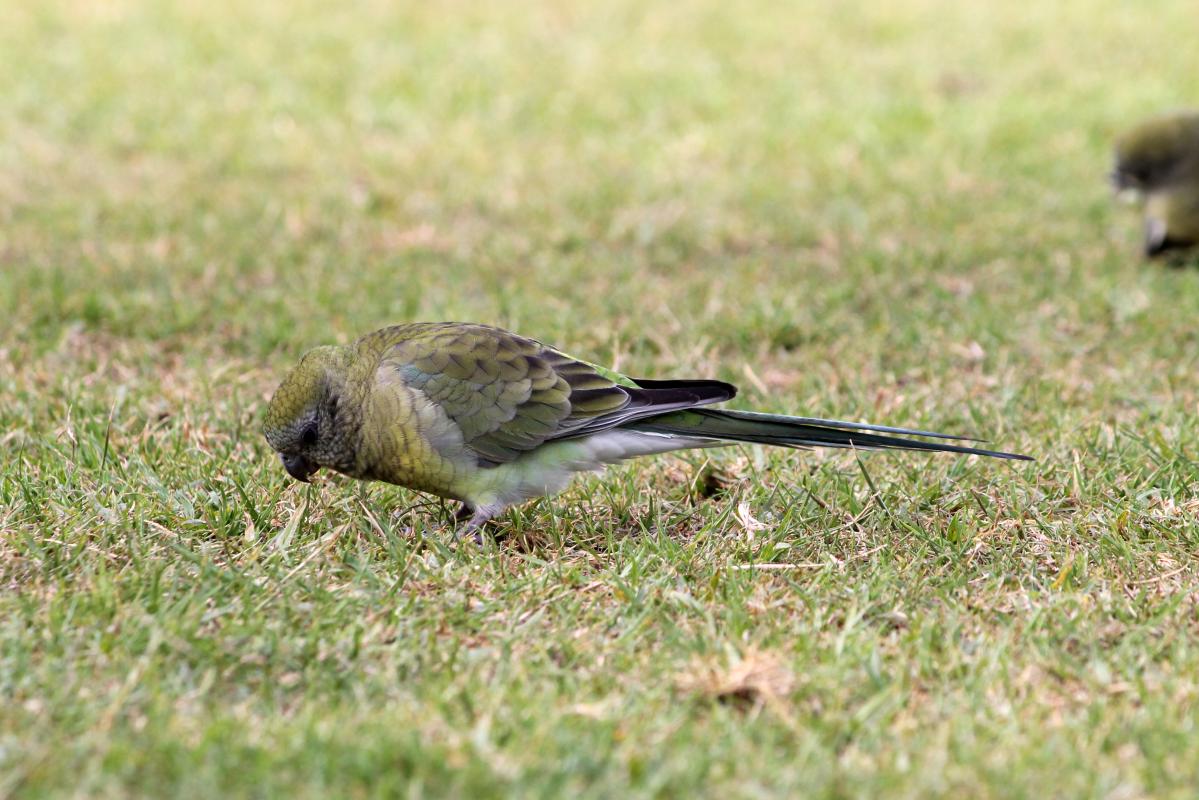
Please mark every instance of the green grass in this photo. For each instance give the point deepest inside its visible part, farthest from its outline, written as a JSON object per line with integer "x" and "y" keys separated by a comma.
{"x": 889, "y": 211}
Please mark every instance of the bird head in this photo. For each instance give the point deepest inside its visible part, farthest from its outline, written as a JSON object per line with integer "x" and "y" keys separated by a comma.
{"x": 1157, "y": 153}
{"x": 304, "y": 424}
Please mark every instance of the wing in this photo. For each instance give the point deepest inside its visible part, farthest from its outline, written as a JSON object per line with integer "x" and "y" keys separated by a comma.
{"x": 509, "y": 394}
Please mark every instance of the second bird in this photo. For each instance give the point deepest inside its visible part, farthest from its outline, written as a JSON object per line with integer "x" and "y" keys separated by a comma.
{"x": 1159, "y": 161}
{"x": 481, "y": 415}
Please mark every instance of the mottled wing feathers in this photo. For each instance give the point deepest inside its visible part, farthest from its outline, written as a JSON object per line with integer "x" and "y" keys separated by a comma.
{"x": 591, "y": 393}
{"x": 500, "y": 389}
{"x": 506, "y": 393}
{"x": 509, "y": 394}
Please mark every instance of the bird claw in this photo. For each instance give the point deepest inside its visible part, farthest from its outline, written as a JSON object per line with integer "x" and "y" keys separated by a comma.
{"x": 475, "y": 519}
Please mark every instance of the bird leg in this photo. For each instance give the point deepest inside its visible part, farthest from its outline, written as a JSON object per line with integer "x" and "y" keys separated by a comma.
{"x": 475, "y": 519}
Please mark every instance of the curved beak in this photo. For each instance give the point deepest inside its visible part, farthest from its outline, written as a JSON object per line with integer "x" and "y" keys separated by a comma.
{"x": 298, "y": 467}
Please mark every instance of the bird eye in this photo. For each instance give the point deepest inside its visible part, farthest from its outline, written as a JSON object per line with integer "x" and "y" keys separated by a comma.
{"x": 308, "y": 437}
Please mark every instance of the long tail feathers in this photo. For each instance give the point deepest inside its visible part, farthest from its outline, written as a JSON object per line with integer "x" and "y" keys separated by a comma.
{"x": 778, "y": 429}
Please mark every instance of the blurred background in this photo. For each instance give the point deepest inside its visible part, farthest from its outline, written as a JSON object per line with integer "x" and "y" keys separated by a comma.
{"x": 896, "y": 211}
{"x": 849, "y": 182}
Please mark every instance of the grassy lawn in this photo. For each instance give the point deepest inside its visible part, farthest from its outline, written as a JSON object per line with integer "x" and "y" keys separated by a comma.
{"x": 893, "y": 211}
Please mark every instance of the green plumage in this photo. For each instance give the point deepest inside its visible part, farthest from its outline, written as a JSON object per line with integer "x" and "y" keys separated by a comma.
{"x": 485, "y": 416}
{"x": 1159, "y": 161}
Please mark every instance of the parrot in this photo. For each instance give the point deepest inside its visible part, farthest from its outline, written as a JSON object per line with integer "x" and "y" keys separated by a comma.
{"x": 1158, "y": 161}
{"x": 489, "y": 418}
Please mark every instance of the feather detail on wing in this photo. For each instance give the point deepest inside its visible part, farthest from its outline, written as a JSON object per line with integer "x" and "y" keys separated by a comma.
{"x": 509, "y": 394}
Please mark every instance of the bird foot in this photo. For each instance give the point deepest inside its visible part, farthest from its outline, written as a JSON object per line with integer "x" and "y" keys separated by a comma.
{"x": 475, "y": 519}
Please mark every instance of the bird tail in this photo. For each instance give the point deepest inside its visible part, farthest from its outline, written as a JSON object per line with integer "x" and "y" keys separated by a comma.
{"x": 800, "y": 432}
